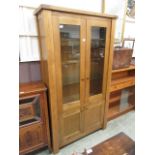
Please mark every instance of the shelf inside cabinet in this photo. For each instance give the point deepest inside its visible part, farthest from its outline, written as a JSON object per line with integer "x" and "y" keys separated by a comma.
{"x": 96, "y": 39}
{"x": 114, "y": 111}
{"x": 72, "y": 39}
{"x": 71, "y": 92}
{"x": 99, "y": 41}
{"x": 117, "y": 98}
{"x": 123, "y": 78}
{"x": 131, "y": 67}
{"x": 71, "y": 84}
{"x": 68, "y": 62}
{"x": 122, "y": 83}
{"x": 121, "y": 101}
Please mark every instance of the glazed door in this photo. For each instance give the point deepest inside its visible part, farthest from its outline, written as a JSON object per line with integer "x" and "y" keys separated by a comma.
{"x": 98, "y": 34}
{"x": 69, "y": 36}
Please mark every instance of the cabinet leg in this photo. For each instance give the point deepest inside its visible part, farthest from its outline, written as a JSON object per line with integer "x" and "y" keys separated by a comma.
{"x": 49, "y": 149}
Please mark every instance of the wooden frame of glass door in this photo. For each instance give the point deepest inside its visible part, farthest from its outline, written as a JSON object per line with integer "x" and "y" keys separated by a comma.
{"x": 70, "y": 112}
{"x": 95, "y": 105}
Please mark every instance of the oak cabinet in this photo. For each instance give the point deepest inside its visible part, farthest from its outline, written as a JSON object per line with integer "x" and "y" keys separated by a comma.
{"x": 33, "y": 118}
{"x": 76, "y": 49}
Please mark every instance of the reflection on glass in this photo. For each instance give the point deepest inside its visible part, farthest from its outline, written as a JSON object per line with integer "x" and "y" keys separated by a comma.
{"x": 29, "y": 110}
{"x": 98, "y": 36}
{"x": 121, "y": 100}
{"x": 70, "y": 57}
{"x": 127, "y": 98}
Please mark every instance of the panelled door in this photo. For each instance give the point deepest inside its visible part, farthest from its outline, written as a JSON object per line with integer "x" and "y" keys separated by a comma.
{"x": 69, "y": 45}
{"x": 97, "y": 47}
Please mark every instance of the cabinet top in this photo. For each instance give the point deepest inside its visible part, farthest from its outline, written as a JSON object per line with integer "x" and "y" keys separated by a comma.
{"x": 73, "y": 11}
{"x": 34, "y": 87}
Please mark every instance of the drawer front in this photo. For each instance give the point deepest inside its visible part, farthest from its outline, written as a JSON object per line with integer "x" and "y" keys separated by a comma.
{"x": 31, "y": 137}
{"x": 26, "y": 112}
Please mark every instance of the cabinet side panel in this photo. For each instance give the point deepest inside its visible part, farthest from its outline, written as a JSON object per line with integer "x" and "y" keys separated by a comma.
{"x": 48, "y": 68}
{"x": 109, "y": 72}
{"x": 43, "y": 49}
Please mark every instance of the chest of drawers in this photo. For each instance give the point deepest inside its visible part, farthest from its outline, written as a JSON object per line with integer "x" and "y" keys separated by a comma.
{"x": 33, "y": 118}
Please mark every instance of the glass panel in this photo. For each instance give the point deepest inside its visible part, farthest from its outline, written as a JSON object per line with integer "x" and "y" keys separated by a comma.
{"x": 29, "y": 110}
{"x": 121, "y": 100}
{"x": 70, "y": 57}
{"x": 98, "y": 36}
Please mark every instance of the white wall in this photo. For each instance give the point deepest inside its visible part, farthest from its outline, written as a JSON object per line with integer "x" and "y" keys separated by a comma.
{"x": 129, "y": 31}
{"x": 88, "y": 5}
{"x": 129, "y": 28}
{"x": 116, "y": 7}
{"x": 28, "y": 46}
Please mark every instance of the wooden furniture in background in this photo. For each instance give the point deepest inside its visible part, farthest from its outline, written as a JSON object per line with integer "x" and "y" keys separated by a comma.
{"x": 122, "y": 92}
{"x": 33, "y": 118}
{"x": 120, "y": 144}
{"x": 122, "y": 58}
{"x": 76, "y": 56}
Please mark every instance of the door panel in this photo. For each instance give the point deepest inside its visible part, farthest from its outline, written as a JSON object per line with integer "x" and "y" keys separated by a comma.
{"x": 72, "y": 124}
{"x": 71, "y": 120}
{"x": 98, "y": 33}
{"x": 70, "y": 59}
{"x": 95, "y": 121}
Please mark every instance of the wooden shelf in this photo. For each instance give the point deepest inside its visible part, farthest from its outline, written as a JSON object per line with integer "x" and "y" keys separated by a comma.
{"x": 117, "y": 98}
{"x": 70, "y": 39}
{"x": 114, "y": 111}
{"x": 122, "y": 80}
{"x": 70, "y": 62}
{"x": 71, "y": 92}
{"x": 131, "y": 67}
{"x": 114, "y": 99}
{"x": 71, "y": 83}
{"x": 97, "y": 39}
{"x": 122, "y": 83}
